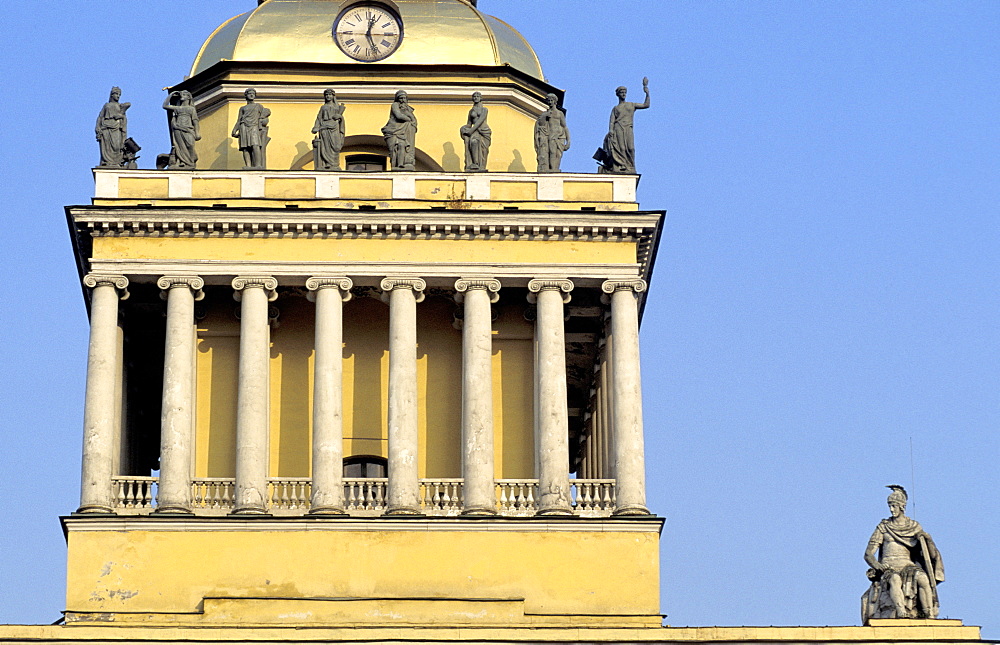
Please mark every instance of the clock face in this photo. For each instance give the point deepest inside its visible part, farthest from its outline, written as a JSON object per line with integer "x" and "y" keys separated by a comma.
{"x": 368, "y": 32}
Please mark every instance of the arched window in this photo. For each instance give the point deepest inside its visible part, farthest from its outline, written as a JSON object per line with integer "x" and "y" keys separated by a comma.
{"x": 365, "y": 466}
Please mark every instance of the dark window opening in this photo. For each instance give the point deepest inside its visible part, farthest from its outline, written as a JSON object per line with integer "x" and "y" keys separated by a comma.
{"x": 366, "y": 163}
{"x": 365, "y": 466}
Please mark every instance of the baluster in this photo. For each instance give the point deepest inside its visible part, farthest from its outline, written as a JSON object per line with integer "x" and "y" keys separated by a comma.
{"x": 531, "y": 497}
{"x": 227, "y": 499}
{"x": 147, "y": 501}
{"x": 522, "y": 496}
{"x": 380, "y": 495}
{"x": 352, "y": 495}
{"x": 503, "y": 497}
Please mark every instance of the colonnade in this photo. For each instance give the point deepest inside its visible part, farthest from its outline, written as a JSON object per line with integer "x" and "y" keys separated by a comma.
{"x": 402, "y": 293}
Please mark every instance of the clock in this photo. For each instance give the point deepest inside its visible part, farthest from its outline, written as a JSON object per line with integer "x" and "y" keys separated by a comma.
{"x": 368, "y": 32}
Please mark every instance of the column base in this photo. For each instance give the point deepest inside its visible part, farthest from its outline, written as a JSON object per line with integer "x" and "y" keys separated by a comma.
{"x": 328, "y": 511}
{"x": 173, "y": 510}
{"x": 555, "y": 510}
{"x": 405, "y": 511}
{"x": 250, "y": 510}
{"x": 478, "y": 511}
{"x": 95, "y": 509}
{"x": 632, "y": 510}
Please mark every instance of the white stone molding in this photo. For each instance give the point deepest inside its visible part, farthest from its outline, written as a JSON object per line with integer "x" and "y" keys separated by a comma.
{"x": 177, "y": 412}
{"x": 463, "y": 285}
{"x": 626, "y": 397}
{"x": 267, "y": 283}
{"x": 551, "y": 413}
{"x": 103, "y": 394}
{"x": 317, "y": 283}
{"x": 417, "y": 285}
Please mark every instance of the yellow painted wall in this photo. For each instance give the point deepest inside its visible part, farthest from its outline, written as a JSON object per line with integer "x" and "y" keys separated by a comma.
{"x": 437, "y": 135}
{"x": 316, "y": 249}
{"x": 366, "y": 369}
{"x": 590, "y": 568}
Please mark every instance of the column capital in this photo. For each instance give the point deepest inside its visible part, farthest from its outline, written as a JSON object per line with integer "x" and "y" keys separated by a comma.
{"x": 119, "y": 282}
{"x": 265, "y": 282}
{"x": 563, "y": 286}
{"x": 390, "y": 283}
{"x": 342, "y": 283}
{"x": 636, "y": 285}
{"x": 192, "y": 282}
{"x": 490, "y": 285}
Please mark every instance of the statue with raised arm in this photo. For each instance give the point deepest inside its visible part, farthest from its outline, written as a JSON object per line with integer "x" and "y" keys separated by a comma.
{"x": 551, "y": 136}
{"x": 251, "y": 129}
{"x": 329, "y": 131}
{"x": 184, "y": 130}
{"x": 477, "y": 136}
{"x": 617, "y": 155}
{"x": 905, "y": 566}
{"x": 400, "y": 133}
{"x": 112, "y": 130}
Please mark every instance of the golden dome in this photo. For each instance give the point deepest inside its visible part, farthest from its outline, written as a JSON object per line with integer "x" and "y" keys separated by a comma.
{"x": 435, "y": 32}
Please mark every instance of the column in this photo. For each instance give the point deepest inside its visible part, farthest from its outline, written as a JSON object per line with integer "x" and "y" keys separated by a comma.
{"x": 479, "y": 487}
{"x": 403, "y": 294}
{"x": 626, "y": 384}
{"x": 329, "y": 294}
{"x": 177, "y": 413}
{"x": 253, "y": 392}
{"x": 551, "y": 405}
{"x": 101, "y": 403}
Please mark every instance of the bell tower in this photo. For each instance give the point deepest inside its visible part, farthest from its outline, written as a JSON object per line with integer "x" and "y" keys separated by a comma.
{"x": 359, "y": 356}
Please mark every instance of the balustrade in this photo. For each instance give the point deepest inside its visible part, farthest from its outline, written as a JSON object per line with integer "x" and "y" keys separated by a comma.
{"x": 135, "y": 495}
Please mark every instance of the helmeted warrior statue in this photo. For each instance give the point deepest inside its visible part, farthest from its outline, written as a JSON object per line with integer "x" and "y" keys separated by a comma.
{"x": 251, "y": 129}
{"x": 112, "y": 130}
{"x": 329, "y": 131}
{"x": 905, "y": 568}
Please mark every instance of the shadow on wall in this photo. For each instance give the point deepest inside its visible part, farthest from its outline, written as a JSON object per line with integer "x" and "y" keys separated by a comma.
{"x": 450, "y": 161}
{"x": 516, "y": 165}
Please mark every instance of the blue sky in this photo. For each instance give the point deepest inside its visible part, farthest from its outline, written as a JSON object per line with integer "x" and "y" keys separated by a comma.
{"x": 825, "y": 294}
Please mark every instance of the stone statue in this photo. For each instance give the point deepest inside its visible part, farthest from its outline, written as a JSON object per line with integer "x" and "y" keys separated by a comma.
{"x": 112, "y": 130}
{"x": 251, "y": 130}
{"x": 401, "y": 134}
{"x": 551, "y": 136}
{"x": 477, "y": 136}
{"x": 618, "y": 153}
{"x": 905, "y": 567}
{"x": 329, "y": 131}
{"x": 183, "y": 120}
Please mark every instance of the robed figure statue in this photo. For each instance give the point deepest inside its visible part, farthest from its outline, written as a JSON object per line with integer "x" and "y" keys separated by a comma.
{"x": 551, "y": 136}
{"x": 329, "y": 131}
{"x": 251, "y": 129}
{"x": 905, "y": 566}
{"x": 112, "y": 130}
{"x": 477, "y": 136}
{"x": 184, "y": 130}
{"x": 400, "y": 134}
{"x": 617, "y": 155}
